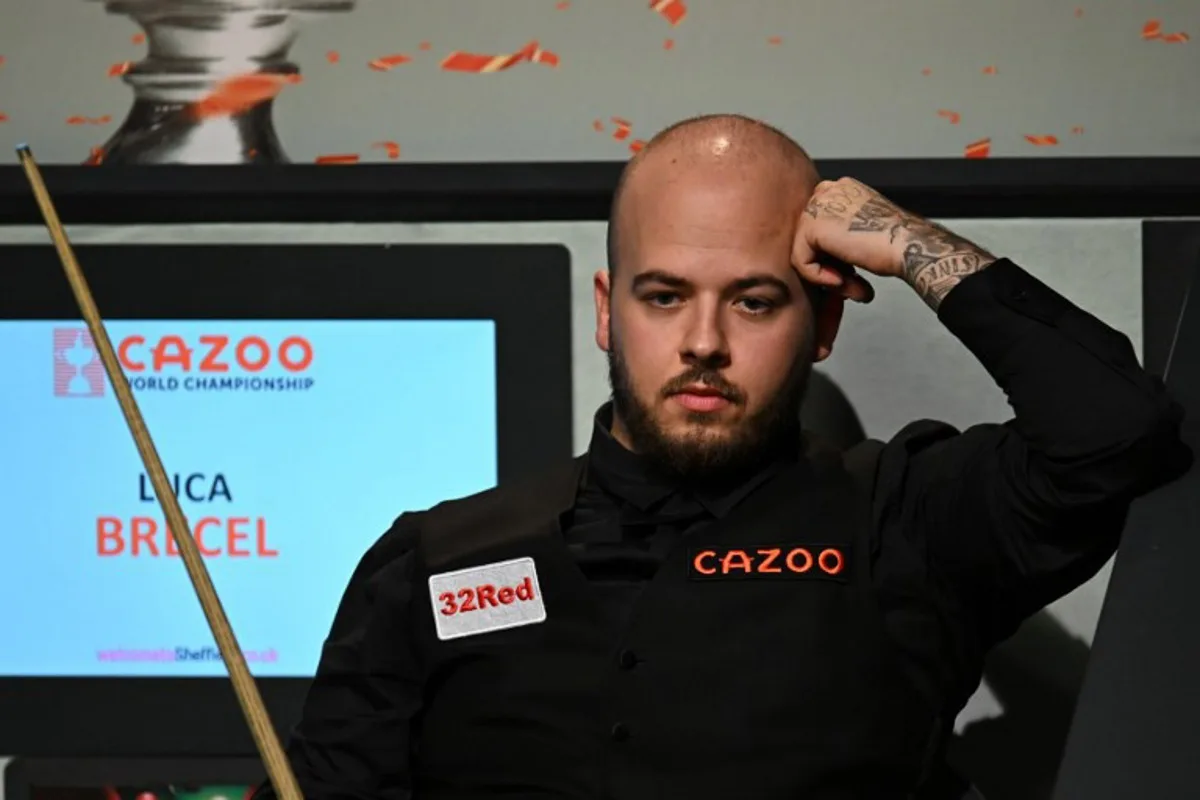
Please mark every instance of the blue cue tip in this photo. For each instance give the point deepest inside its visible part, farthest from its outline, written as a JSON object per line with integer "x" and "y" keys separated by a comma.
{"x": 22, "y": 148}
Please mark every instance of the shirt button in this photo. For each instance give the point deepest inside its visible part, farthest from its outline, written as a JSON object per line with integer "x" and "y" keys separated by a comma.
{"x": 620, "y": 732}
{"x": 627, "y": 659}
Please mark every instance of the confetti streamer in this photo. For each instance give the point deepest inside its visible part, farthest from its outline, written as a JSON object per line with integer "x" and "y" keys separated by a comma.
{"x": 953, "y": 116}
{"x": 3, "y": 61}
{"x": 3, "y": 117}
{"x": 1176, "y": 38}
{"x": 477, "y": 63}
{"x": 241, "y": 93}
{"x": 95, "y": 157}
{"x": 77, "y": 120}
{"x": 979, "y": 149}
{"x": 562, "y": 6}
{"x": 668, "y": 44}
{"x": 927, "y": 72}
{"x": 1078, "y": 129}
{"x": 624, "y": 127}
{"x": 1078, "y": 12}
{"x": 387, "y": 63}
{"x": 392, "y": 148}
{"x": 333, "y": 56}
{"x": 117, "y": 70}
{"x": 547, "y": 57}
{"x": 339, "y": 158}
{"x": 1152, "y": 29}
{"x": 673, "y": 11}
{"x": 425, "y": 46}
{"x": 636, "y": 146}
{"x": 774, "y": 40}
{"x": 1044, "y": 140}
{"x": 598, "y": 126}
{"x": 989, "y": 70}
{"x": 138, "y": 38}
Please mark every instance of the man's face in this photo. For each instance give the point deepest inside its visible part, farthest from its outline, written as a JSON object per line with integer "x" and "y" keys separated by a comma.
{"x": 708, "y": 329}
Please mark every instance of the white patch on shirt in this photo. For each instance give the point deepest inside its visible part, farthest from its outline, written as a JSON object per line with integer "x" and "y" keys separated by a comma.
{"x": 492, "y": 597}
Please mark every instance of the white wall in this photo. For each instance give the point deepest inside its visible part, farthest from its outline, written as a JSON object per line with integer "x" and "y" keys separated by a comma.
{"x": 894, "y": 343}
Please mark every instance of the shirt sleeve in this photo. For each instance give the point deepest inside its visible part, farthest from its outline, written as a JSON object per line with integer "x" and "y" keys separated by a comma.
{"x": 353, "y": 738}
{"x": 1010, "y": 517}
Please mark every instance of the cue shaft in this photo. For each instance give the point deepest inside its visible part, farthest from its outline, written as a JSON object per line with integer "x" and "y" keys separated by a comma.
{"x": 244, "y": 687}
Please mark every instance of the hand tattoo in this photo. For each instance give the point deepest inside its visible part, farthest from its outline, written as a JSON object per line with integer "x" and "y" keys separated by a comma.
{"x": 879, "y": 216}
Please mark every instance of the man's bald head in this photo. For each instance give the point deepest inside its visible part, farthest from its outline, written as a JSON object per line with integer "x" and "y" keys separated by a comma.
{"x": 716, "y": 143}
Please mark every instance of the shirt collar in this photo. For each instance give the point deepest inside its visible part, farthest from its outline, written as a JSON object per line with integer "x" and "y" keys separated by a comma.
{"x": 627, "y": 477}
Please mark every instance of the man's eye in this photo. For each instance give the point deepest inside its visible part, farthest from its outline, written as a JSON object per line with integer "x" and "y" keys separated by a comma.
{"x": 756, "y": 305}
{"x": 662, "y": 299}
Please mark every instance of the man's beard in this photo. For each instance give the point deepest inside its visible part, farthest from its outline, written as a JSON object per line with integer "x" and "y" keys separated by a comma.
{"x": 696, "y": 457}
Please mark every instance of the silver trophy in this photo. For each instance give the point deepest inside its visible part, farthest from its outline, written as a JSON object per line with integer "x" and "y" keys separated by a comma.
{"x": 194, "y": 45}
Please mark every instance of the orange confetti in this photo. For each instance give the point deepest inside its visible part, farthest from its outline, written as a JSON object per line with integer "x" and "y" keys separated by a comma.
{"x": 1079, "y": 12}
{"x": 393, "y": 149}
{"x": 927, "y": 71}
{"x": 119, "y": 69}
{"x": 3, "y": 117}
{"x": 341, "y": 158}
{"x": 953, "y": 116}
{"x": 1152, "y": 29}
{"x": 636, "y": 146}
{"x": 138, "y": 38}
{"x": 77, "y": 120}
{"x": 989, "y": 70}
{"x": 459, "y": 61}
{"x": 1044, "y": 140}
{"x": 1078, "y": 129}
{"x": 95, "y": 157}
{"x": 598, "y": 126}
{"x": 547, "y": 57}
{"x": 240, "y": 94}
{"x": 774, "y": 40}
{"x": 3, "y": 60}
{"x": 425, "y": 45}
{"x": 385, "y": 63}
{"x": 979, "y": 149}
{"x": 624, "y": 127}
{"x": 333, "y": 56}
{"x": 673, "y": 11}
{"x": 562, "y": 6}
{"x": 1176, "y": 38}
{"x": 668, "y": 44}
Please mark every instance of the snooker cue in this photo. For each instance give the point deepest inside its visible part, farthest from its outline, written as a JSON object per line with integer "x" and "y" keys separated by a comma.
{"x": 244, "y": 686}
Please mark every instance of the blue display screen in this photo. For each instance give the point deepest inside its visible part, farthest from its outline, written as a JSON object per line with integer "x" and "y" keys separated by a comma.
{"x": 292, "y": 446}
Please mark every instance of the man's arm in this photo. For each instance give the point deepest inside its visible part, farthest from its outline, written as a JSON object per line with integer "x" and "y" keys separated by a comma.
{"x": 1010, "y": 516}
{"x": 1014, "y": 516}
{"x": 352, "y": 742}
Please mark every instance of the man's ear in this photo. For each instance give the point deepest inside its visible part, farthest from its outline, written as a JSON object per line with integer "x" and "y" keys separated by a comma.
{"x": 602, "y": 288}
{"x": 827, "y": 309}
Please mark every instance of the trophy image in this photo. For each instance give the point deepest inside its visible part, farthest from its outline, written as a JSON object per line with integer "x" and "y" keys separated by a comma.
{"x": 193, "y": 46}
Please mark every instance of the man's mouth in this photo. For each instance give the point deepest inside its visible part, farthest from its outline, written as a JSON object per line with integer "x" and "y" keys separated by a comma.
{"x": 701, "y": 398}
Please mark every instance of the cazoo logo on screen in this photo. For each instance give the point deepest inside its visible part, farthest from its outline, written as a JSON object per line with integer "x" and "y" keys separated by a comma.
{"x": 212, "y": 362}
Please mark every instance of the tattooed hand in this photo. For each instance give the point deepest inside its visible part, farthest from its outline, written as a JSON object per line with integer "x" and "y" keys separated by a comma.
{"x": 849, "y": 223}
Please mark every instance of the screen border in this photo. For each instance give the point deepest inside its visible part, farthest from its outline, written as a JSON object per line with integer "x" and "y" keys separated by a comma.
{"x": 948, "y": 188}
{"x": 172, "y": 717}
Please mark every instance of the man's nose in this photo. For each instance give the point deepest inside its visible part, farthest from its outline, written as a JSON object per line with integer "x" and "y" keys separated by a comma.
{"x": 705, "y": 341}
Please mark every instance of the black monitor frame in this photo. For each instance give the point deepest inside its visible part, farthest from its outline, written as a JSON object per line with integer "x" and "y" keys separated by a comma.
{"x": 24, "y": 776}
{"x": 145, "y": 717}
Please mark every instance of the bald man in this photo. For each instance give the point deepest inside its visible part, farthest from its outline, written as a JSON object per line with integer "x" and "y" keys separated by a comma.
{"x": 710, "y": 603}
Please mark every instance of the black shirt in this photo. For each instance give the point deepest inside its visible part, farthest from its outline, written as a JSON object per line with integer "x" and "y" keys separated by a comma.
{"x": 995, "y": 521}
